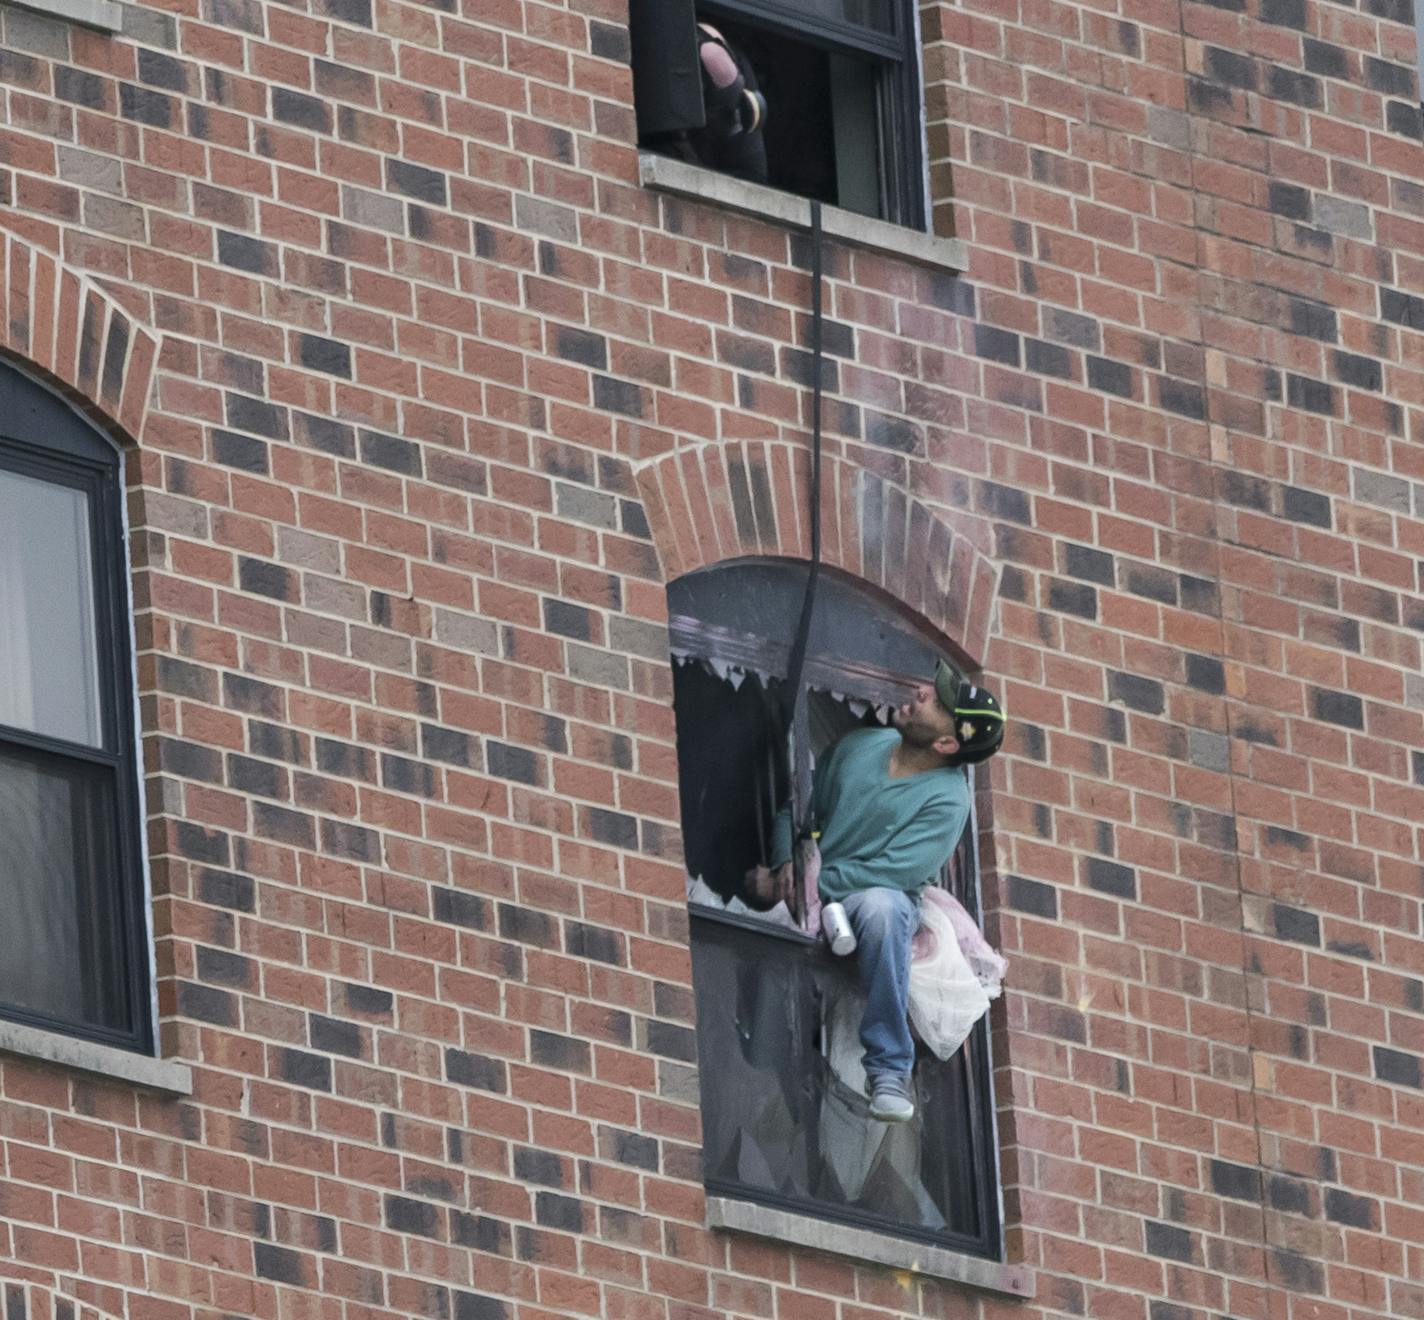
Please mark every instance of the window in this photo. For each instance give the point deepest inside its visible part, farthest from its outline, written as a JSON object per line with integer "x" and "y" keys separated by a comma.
{"x": 1419, "y": 48}
{"x": 785, "y": 1120}
{"x": 73, "y": 946}
{"x": 841, "y": 84}
{"x": 106, "y": 15}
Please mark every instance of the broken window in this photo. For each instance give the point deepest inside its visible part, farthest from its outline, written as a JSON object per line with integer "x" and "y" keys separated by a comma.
{"x": 839, "y": 115}
{"x": 785, "y": 1118}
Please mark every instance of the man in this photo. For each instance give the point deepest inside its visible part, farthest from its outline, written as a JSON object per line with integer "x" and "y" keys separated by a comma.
{"x": 890, "y": 805}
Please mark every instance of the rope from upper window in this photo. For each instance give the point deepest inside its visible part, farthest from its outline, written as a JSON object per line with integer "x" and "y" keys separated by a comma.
{"x": 799, "y": 750}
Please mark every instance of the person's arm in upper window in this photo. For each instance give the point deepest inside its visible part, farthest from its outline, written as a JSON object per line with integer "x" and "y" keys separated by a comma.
{"x": 822, "y": 777}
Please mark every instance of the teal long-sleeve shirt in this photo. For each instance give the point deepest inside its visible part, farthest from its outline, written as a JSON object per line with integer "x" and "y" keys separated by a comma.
{"x": 875, "y": 830}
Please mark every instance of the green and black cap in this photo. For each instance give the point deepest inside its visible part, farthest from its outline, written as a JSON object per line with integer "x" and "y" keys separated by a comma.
{"x": 978, "y": 719}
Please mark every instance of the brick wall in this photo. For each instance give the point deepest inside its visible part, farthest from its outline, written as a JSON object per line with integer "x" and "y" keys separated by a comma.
{"x": 425, "y": 400}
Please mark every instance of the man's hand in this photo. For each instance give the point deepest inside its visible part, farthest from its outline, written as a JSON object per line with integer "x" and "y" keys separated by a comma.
{"x": 771, "y": 887}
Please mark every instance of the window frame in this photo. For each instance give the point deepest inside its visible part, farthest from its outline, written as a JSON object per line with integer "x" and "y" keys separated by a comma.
{"x": 845, "y": 35}
{"x": 693, "y": 639}
{"x": 902, "y": 176}
{"x": 103, "y": 15}
{"x": 45, "y": 438}
{"x": 984, "y": 1116}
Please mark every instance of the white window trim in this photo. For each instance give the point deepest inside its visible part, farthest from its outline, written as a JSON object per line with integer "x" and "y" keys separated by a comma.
{"x": 670, "y": 175}
{"x": 101, "y": 1060}
{"x": 867, "y": 1245}
{"x": 107, "y": 15}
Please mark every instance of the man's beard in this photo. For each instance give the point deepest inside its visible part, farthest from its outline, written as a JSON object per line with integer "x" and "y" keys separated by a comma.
{"x": 916, "y": 735}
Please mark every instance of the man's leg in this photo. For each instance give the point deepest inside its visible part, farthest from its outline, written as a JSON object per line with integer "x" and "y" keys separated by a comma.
{"x": 884, "y": 921}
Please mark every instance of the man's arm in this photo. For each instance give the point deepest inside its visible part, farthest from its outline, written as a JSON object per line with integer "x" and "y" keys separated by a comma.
{"x": 782, "y": 843}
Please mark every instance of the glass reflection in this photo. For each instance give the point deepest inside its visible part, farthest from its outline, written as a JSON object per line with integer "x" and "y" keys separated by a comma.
{"x": 57, "y": 938}
{"x": 783, "y": 1093}
{"x": 49, "y": 663}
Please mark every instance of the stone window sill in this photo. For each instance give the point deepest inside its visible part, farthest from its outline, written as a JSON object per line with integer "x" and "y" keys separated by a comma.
{"x": 866, "y": 1245}
{"x": 107, "y": 15}
{"x": 101, "y": 1060}
{"x": 666, "y": 174}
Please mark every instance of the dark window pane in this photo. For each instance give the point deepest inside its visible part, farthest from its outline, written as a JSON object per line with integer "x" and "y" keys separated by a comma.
{"x": 49, "y": 664}
{"x": 732, "y": 773}
{"x": 785, "y": 1119}
{"x": 58, "y": 874}
{"x": 878, "y": 15}
{"x": 855, "y": 115}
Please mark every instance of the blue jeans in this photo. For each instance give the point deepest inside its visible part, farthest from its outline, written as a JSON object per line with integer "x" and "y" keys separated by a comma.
{"x": 884, "y": 921}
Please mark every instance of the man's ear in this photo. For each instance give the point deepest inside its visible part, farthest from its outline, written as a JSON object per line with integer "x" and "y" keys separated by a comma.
{"x": 946, "y": 744}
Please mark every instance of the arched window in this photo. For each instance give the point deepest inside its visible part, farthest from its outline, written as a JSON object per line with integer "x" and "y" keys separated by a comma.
{"x": 73, "y": 935}
{"x": 786, "y": 1123}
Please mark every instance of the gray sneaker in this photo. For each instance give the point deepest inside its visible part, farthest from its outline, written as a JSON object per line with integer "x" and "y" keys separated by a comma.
{"x": 890, "y": 1098}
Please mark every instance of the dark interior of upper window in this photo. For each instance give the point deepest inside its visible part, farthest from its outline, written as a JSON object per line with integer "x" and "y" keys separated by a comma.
{"x": 819, "y": 99}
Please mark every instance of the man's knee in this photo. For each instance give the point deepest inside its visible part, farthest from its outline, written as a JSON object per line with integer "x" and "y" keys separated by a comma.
{"x": 881, "y": 909}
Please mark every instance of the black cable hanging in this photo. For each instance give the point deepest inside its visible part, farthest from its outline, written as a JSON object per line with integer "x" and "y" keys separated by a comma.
{"x": 799, "y": 725}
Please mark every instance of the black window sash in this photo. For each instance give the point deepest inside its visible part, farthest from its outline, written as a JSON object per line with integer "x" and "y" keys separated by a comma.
{"x": 74, "y": 457}
{"x": 710, "y": 924}
{"x": 821, "y": 29}
{"x": 903, "y": 165}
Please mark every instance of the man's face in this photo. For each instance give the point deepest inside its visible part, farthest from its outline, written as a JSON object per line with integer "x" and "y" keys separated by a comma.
{"x": 923, "y": 722}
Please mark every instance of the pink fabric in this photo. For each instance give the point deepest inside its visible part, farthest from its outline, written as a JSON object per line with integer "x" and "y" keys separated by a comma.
{"x": 987, "y": 965}
{"x": 924, "y": 945}
{"x": 811, "y": 873}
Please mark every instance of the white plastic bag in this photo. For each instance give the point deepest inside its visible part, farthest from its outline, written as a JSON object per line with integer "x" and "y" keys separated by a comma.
{"x": 984, "y": 961}
{"x": 810, "y": 853}
{"x": 946, "y": 996}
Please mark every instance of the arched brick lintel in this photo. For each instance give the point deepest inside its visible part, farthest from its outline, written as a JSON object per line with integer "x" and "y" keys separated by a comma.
{"x": 76, "y": 334}
{"x": 731, "y": 500}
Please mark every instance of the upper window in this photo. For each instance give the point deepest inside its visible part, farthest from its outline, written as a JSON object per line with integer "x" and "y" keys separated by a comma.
{"x": 817, "y": 97}
{"x": 106, "y": 15}
{"x": 785, "y": 1118}
{"x": 73, "y": 947}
